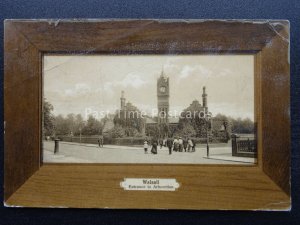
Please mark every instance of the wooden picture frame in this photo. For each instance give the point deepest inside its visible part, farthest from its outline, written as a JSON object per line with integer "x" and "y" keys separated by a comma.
{"x": 30, "y": 183}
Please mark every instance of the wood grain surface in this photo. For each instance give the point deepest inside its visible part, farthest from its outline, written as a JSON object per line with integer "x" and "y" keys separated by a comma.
{"x": 30, "y": 183}
{"x": 201, "y": 187}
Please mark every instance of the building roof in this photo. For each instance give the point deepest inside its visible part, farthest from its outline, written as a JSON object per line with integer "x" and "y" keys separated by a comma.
{"x": 173, "y": 119}
{"x": 153, "y": 121}
{"x": 150, "y": 120}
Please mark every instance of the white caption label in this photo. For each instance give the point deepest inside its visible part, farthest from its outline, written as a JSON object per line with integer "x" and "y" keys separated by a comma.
{"x": 149, "y": 184}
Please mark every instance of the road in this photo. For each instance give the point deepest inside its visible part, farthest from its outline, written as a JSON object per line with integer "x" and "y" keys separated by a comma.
{"x": 89, "y": 153}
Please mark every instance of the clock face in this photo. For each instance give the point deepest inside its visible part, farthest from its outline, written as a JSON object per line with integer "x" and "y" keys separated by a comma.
{"x": 162, "y": 89}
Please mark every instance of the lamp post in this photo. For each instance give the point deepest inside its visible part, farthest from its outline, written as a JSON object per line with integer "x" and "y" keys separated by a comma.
{"x": 207, "y": 146}
{"x": 81, "y": 126}
{"x": 207, "y": 120}
{"x": 80, "y": 134}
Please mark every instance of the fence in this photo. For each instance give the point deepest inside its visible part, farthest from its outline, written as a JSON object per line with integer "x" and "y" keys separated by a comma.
{"x": 244, "y": 147}
{"x": 126, "y": 141}
{"x": 130, "y": 141}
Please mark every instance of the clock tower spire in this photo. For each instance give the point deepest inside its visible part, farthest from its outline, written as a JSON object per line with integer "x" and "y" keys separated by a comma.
{"x": 163, "y": 98}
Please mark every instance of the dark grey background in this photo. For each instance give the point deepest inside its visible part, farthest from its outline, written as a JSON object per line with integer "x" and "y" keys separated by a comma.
{"x": 181, "y": 9}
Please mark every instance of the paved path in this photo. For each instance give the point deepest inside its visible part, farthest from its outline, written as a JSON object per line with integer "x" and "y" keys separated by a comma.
{"x": 90, "y": 153}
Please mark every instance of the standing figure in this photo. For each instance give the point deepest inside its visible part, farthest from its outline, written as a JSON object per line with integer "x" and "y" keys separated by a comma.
{"x": 190, "y": 145}
{"x": 194, "y": 145}
{"x": 161, "y": 143}
{"x": 100, "y": 141}
{"x": 165, "y": 142}
{"x": 146, "y": 146}
{"x": 180, "y": 142}
{"x": 169, "y": 145}
{"x": 175, "y": 145}
{"x": 185, "y": 144}
{"x": 154, "y": 147}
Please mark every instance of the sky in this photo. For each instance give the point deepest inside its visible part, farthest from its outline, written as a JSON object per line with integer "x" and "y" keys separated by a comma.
{"x": 83, "y": 84}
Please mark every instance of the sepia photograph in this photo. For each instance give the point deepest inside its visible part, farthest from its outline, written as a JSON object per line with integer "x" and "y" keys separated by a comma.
{"x": 149, "y": 109}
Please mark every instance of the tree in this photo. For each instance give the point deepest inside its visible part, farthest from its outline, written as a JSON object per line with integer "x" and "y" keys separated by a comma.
{"x": 242, "y": 126}
{"x": 186, "y": 130}
{"x": 61, "y": 126}
{"x": 70, "y": 123}
{"x": 116, "y": 132}
{"x": 130, "y": 119}
{"x": 78, "y": 124}
{"x": 194, "y": 115}
{"x": 152, "y": 131}
{"x": 221, "y": 126}
{"x": 92, "y": 127}
{"x": 66, "y": 125}
{"x": 48, "y": 121}
{"x": 131, "y": 132}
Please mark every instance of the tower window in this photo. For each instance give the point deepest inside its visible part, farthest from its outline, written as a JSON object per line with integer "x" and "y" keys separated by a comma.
{"x": 162, "y": 89}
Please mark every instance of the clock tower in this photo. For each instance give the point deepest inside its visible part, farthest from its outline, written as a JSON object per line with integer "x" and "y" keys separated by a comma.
{"x": 163, "y": 91}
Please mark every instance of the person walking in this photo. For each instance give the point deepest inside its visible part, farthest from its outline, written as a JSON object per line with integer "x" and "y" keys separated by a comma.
{"x": 100, "y": 142}
{"x": 154, "y": 147}
{"x": 194, "y": 145}
{"x": 146, "y": 146}
{"x": 161, "y": 143}
{"x": 185, "y": 144}
{"x": 190, "y": 145}
{"x": 180, "y": 142}
{"x": 165, "y": 142}
{"x": 169, "y": 145}
{"x": 175, "y": 145}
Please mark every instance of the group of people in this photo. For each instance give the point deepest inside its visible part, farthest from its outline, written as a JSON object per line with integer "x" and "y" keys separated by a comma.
{"x": 176, "y": 145}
